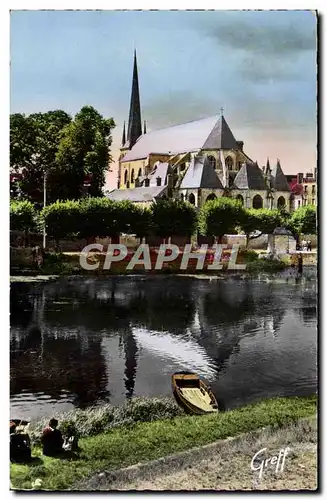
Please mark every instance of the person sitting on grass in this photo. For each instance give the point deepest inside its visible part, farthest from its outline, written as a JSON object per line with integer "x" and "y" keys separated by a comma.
{"x": 20, "y": 444}
{"x": 52, "y": 440}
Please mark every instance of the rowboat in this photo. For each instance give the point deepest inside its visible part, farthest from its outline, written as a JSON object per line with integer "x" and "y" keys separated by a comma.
{"x": 192, "y": 394}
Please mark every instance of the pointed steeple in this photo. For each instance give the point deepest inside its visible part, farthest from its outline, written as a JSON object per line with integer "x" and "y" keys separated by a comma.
{"x": 144, "y": 130}
{"x": 134, "y": 130}
{"x": 123, "y": 141}
{"x": 267, "y": 169}
{"x": 279, "y": 181}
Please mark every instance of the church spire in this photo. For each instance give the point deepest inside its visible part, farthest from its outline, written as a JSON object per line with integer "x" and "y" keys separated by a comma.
{"x": 134, "y": 130}
{"x": 144, "y": 127}
{"x": 123, "y": 141}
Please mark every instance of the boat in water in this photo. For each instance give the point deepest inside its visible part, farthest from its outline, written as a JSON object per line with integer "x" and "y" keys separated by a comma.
{"x": 192, "y": 394}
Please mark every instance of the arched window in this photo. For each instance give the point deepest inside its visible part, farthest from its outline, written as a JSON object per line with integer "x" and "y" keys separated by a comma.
{"x": 211, "y": 196}
{"x": 212, "y": 161}
{"x": 127, "y": 184}
{"x": 281, "y": 202}
{"x": 191, "y": 199}
{"x": 257, "y": 201}
{"x": 229, "y": 162}
{"x": 140, "y": 173}
{"x": 132, "y": 175}
{"x": 125, "y": 176}
{"x": 240, "y": 198}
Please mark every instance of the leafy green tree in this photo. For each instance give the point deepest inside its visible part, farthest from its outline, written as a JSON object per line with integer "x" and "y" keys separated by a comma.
{"x": 62, "y": 219}
{"x": 34, "y": 142}
{"x": 303, "y": 221}
{"x": 173, "y": 217}
{"x": 23, "y": 217}
{"x": 219, "y": 217}
{"x": 100, "y": 218}
{"x": 84, "y": 149}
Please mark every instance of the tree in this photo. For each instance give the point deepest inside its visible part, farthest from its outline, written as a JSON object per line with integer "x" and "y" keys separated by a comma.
{"x": 84, "y": 149}
{"x": 173, "y": 217}
{"x": 34, "y": 141}
{"x": 219, "y": 217}
{"x": 100, "y": 218}
{"x": 303, "y": 221}
{"x": 22, "y": 217}
{"x": 62, "y": 219}
{"x": 261, "y": 220}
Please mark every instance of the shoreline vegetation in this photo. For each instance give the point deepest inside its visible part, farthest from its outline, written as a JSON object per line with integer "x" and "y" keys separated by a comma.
{"x": 142, "y": 430}
{"x": 66, "y": 264}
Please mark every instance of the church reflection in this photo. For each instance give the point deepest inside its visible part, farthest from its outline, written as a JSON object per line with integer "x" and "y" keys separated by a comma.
{"x": 58, "y": 329}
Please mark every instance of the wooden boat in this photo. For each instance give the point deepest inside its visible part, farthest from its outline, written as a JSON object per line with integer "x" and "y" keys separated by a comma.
{"x": 192, "y": 394}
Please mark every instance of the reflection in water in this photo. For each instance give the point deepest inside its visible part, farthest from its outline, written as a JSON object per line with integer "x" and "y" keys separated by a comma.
{"x": 82, "y": 342}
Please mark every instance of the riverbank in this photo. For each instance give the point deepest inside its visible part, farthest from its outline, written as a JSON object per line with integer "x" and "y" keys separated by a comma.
{"x": 111, "y": 446}
{"x": 65, "y": 264}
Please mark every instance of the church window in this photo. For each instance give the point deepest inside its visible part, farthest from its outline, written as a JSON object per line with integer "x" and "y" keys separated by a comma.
{"x": 240, "y": 198}
{"x": 257, "y": 201}
{"x": 125, "y": 176}
{"x": 132, "y": 175}
{"x": 191, "y": 199}
{"x": 211, "y": 196}
{"x": 140, "y": 173}
{"x": 127, "y": 184}
{"x": 212, "y": 161}
{"x": 281, "y": 202}
{"x": 229, "y": 162}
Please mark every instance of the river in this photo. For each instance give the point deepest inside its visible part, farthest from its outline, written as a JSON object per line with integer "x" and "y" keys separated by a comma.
{"x": 80, "y": 342}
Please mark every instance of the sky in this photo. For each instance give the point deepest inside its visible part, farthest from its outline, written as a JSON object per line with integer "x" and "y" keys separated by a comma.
{"x": 260, "y": 66}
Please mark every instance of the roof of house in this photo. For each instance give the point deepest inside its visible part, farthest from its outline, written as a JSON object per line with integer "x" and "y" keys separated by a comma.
{"x": 208, "y": 133}
{"x": 279, "y": 181}
{"x": 140, "y": 194}
{"x": 250, "y": 176}
{"x": 201, "y": 174}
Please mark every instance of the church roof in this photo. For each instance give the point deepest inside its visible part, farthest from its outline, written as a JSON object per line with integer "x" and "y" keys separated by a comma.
{"x": 201, "y": 174}
{"x": 141, "y": 194}
{"x": 279, "y": 181}
{"x": 160, "y": 170}
{"x": 250, "y": 177}
{"x": 208, "y": 133}
{"x": 220, "y": 137}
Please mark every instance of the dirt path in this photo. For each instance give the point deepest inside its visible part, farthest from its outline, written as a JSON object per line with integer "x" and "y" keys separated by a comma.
{"x": 228, "y": 466}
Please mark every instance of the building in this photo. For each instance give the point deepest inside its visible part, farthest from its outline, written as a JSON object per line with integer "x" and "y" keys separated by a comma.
{"x": 303, "y": 189}
{"x": 195, "y": 161}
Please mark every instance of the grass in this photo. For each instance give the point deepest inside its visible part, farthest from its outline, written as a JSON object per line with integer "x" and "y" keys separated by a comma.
{"x": 143, "y": 441}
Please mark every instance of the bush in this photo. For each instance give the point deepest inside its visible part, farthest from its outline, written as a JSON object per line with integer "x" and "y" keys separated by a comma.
{"x": 22, "y": 216}
{"x": 96, "y": 420}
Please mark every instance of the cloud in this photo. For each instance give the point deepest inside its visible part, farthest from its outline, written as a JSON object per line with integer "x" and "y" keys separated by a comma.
{"x": 265, "y": 47}
{"x": 178, "y": 107}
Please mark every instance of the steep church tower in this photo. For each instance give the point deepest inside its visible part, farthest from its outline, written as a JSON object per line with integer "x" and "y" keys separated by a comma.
{"x": 134, "y": 129}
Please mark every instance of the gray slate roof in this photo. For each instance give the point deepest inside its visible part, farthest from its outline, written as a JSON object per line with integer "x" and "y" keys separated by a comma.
{"x": 208, "y": 133}
{"x": 250, "y": 177}
{"x": 161, "y": 171}
{"x": 279, "y": 181}
{"x": 200, "y": 174}
{"x": 220, "y": 137}
{"x": 141, "y": 194}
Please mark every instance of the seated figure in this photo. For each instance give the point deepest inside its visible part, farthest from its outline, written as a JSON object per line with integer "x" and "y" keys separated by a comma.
{"x": 20, "y": 445}
{"x": 52, "y": 440}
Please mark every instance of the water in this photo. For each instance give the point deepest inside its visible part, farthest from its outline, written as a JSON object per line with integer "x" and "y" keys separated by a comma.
{"x": 80, "y": 342}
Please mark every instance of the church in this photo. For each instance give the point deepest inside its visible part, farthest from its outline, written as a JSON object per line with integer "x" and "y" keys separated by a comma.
{"x": 196, "y": 161}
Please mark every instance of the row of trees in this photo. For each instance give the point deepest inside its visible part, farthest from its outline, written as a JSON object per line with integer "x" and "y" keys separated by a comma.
{"x": 68, "y": 150}
{"x": 100, "y": 217}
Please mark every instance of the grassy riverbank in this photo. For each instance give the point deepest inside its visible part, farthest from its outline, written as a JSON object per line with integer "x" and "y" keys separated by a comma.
{"x": 119, "y": 442}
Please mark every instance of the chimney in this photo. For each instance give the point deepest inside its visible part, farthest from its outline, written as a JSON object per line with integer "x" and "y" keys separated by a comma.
{"x": 299, "y": 178}
{"x": 158, "y": 181}
{"x": 146, "y": 182}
